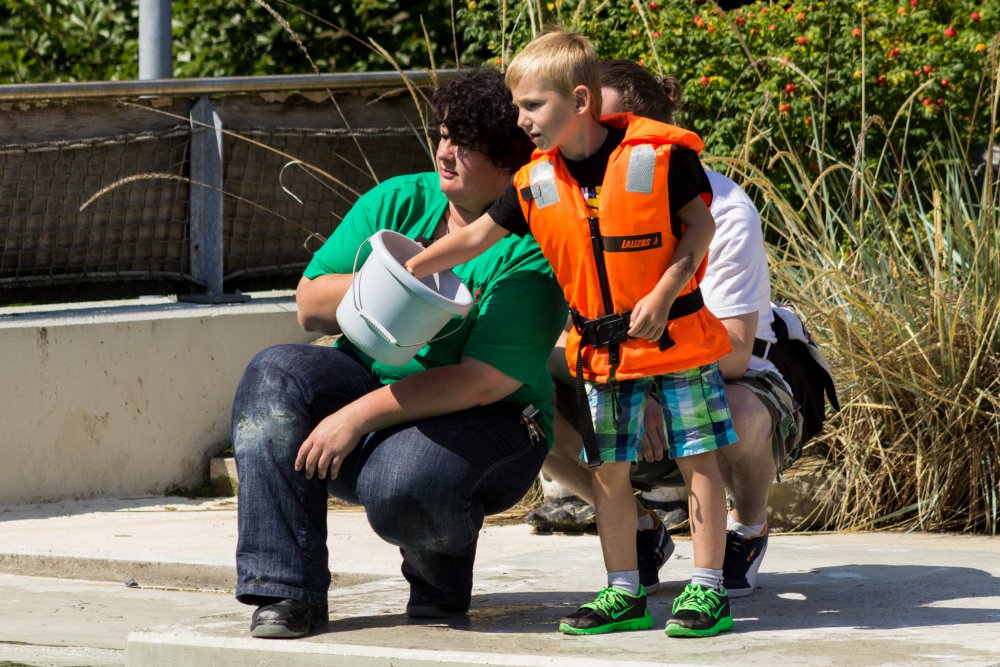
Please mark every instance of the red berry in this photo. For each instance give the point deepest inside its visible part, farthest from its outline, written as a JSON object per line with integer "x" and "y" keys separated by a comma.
{"x": 974, "y": 16}
{"x": 740, "y": 20}
{"x": 704, "y": 80}
{"x": 944, "y": 83}
{"x": 913, "y": 3}
{"x": 654, "y": 6}
{"x": 928, "y": 101}
{"x": 801, "y": 40}
{"x": 656, "y": 34}
{"x": 893, "y": 53}
{"x": 928, "y": 69}
{"x": 940, "y": 101}
{"x": 856, "y": 32}
{"x": 790, "y": 88}
{"x": 772, "y": 27}
{"x": 881, "y": 79}
{"x": 949, "y": 32}
{"x": 784, "y": 108}
{"x": 916, "y": 73}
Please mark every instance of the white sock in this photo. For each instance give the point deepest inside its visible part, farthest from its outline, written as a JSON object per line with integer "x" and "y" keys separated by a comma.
{"x": 707, "y": 577}
{"x": 625, "y": 580}
{"x": 646, "y": 521}
{"x": 743, "y": 529}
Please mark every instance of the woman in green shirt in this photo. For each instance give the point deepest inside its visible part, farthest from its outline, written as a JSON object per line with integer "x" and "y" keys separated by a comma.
{"x": 428, "y": 448}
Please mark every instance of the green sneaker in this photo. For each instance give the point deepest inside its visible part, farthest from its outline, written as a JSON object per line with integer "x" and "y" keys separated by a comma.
{"x": 613, "y": 610}
{"x": 700, "y": 612}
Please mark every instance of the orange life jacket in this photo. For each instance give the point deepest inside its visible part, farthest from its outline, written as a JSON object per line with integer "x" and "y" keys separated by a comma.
{"x": 637, "y": 239}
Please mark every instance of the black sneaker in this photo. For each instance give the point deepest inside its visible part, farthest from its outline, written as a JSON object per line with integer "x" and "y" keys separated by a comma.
{"x": 743, "y": 559}
{"x": 700, "y": 612}
{"x": 612, "y": 610}
{"x": 653, "y": 548}
{"x": 287, "y": 619}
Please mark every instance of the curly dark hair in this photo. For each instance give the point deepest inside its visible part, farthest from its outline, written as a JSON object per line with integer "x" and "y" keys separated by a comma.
{"x": 641, "y": 92}
{"x": 478, "y": 112}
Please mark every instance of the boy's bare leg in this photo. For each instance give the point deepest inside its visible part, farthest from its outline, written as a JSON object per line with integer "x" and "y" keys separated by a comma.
{"x": 563, "y": 464}
{"x": 616, "y": 517}
{"x": 703, "y": 610}
{"x": 706, "y": 508}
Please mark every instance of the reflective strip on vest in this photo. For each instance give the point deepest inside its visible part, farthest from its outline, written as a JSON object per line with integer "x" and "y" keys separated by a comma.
{"x": 543, "y": 184}
{"x": 641, "y": 164}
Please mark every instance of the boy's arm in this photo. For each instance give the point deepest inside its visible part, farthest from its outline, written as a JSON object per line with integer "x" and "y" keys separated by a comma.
{"x": 650, "y": 315}
{"x": 458, "y": 247}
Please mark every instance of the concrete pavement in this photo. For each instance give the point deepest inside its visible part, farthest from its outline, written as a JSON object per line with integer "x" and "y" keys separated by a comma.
{"x": 147, "y": 581}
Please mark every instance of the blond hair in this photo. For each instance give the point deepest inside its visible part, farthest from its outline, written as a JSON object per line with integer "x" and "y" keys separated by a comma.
{"x": 562, "y": 60}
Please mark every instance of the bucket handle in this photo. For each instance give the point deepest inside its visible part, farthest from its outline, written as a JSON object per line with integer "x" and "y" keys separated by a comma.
{"x": 372, "y": 322}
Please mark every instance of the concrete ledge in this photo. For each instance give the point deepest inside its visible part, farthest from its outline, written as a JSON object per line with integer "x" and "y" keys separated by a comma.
{"x": 125, "y": 398}
{"x": 152, "y": 648}
{"x": 146, "y": 574}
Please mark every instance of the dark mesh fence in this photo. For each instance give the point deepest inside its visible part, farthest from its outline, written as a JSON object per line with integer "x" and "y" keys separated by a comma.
{"x": 294, "y": 201}
{"x": 292, "y": 167}
{"x": 137, "y": 230}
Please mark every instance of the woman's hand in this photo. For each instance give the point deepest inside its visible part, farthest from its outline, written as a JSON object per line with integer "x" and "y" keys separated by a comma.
{"x": 324, "y": 451}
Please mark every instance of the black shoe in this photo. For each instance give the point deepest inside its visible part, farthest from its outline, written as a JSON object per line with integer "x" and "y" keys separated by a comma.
{"x": 743, "y": 558}
{"x": 287, "y": 619}
{"x": 700, "y": 612}
{"x": 612, "y": 611}
{"x": 652, "y": 549}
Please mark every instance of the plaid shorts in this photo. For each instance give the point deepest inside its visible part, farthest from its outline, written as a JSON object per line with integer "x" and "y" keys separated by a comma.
{"x": 695, "y": 411}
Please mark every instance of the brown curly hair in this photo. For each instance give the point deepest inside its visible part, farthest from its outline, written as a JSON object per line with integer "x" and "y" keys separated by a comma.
{"x": 477, "y": 112}
{"x": 641, "y": 92}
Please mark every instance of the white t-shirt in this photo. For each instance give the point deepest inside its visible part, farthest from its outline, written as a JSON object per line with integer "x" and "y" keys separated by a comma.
{"x": 737, "y": 280}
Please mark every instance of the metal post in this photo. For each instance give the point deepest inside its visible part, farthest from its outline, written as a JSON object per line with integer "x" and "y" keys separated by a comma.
{"x": 155, "y": 49}
{"x": 205, "y": 208}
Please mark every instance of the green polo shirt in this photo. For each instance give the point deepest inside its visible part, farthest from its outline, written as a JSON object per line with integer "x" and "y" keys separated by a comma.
{"x": 518, "y": 309}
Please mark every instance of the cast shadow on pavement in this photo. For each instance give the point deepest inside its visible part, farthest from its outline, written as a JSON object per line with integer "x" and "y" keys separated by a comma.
{"x": 878, "y": 597}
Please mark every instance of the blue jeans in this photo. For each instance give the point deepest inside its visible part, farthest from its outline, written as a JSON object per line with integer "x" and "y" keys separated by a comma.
{"x": 425, "y": 486}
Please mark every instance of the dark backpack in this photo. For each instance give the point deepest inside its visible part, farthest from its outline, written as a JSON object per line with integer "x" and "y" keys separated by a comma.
{"x": 802, "y": 365}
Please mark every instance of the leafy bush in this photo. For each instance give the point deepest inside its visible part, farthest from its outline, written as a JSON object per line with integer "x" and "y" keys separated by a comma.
{"x": 93, "y": 40}
{"x": 813, "y": 74}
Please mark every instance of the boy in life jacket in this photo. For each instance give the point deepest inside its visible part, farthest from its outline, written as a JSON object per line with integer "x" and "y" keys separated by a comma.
{"x": 618, "y": 207}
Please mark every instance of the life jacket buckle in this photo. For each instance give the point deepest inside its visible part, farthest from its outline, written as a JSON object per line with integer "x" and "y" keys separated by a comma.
{"x": 602, "y": 331}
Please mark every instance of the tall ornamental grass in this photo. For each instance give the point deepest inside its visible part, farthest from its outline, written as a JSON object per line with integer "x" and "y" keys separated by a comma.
{"x": 896, "y": 264}
{"x": 860, "y": 129}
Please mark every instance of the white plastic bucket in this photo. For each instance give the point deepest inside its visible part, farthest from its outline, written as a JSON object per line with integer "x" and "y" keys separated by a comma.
{"x": 387, "y": 313}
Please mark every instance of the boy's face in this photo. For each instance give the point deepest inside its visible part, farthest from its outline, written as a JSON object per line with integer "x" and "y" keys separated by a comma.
{"x": 550, "y": 119}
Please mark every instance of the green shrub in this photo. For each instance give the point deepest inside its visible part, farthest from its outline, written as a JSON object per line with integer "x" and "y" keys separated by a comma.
{"x": 94, "y": 40}
{"x": 811, "y": 74}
